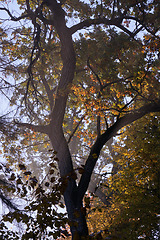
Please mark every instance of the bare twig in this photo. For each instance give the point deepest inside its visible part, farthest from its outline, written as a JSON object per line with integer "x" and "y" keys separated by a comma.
{"x": 91, "y": 68}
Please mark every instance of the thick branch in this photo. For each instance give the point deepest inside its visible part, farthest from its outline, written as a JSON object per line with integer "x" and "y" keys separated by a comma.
{"x": 102, "y": 140}
{"x": 68, "y": 58}
{"x": 143, "y": 25}
{"x": 35, "y": 128}
{"x": 114, "y": 21}
{"x": 90, "y": 22}
{"x": 56, "y": 134}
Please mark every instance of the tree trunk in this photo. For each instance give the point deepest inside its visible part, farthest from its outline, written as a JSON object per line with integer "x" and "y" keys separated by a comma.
{"x": 76, "y": 214}
{"x": 75, "y": 210}
{"x": 73, "y": 205}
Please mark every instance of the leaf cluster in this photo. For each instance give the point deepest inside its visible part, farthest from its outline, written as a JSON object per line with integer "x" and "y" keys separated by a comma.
{"x": 39, "y": 216}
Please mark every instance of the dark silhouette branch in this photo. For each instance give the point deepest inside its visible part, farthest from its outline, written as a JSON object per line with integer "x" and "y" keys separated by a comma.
{"x": 15, "y": 18}
{"x": 68, "y": 58}
{"x": 74, "y": 131}
{"x": 115, "y": 81}
{"x": 108, "y": 134}
{"x": 90, "y": 22}
{"x": 98, "y": 126}
{"x": 91, "y": 68}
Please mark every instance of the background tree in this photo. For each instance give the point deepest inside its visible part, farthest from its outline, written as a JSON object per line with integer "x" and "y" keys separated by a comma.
{"x": 60, "y": 83}
{"x": 134, "y": 202}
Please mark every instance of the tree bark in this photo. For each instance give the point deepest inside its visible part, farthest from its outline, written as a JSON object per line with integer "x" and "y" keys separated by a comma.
{"x": 74, "y": 208}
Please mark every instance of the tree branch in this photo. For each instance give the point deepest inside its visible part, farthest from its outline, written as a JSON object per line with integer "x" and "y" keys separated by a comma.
{"x": 35, "y": 128}
{"x": 102, "y": 140}
{"x": 114, "y": 21}
{"x": 15, "y": 18}
{"x": 48, "y": 91}
{"x": 69, "y": 61}
{"x": 90, "y": 22}
{"x": 98, "y": 126}
{"x": 115, "y": 81}
{"x": 72, "y": 134}
{"x": 7, "y": 201}
{"x": 91, "y": 68}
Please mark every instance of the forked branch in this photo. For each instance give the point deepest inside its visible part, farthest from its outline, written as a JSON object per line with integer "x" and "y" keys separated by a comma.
{"x": 108, "y": 134}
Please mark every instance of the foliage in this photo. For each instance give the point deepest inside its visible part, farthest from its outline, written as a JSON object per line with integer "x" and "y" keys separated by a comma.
{"x": 134, "y": 209}
{"x": 75, "y": 74}
{"x": 41, "y": 200}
